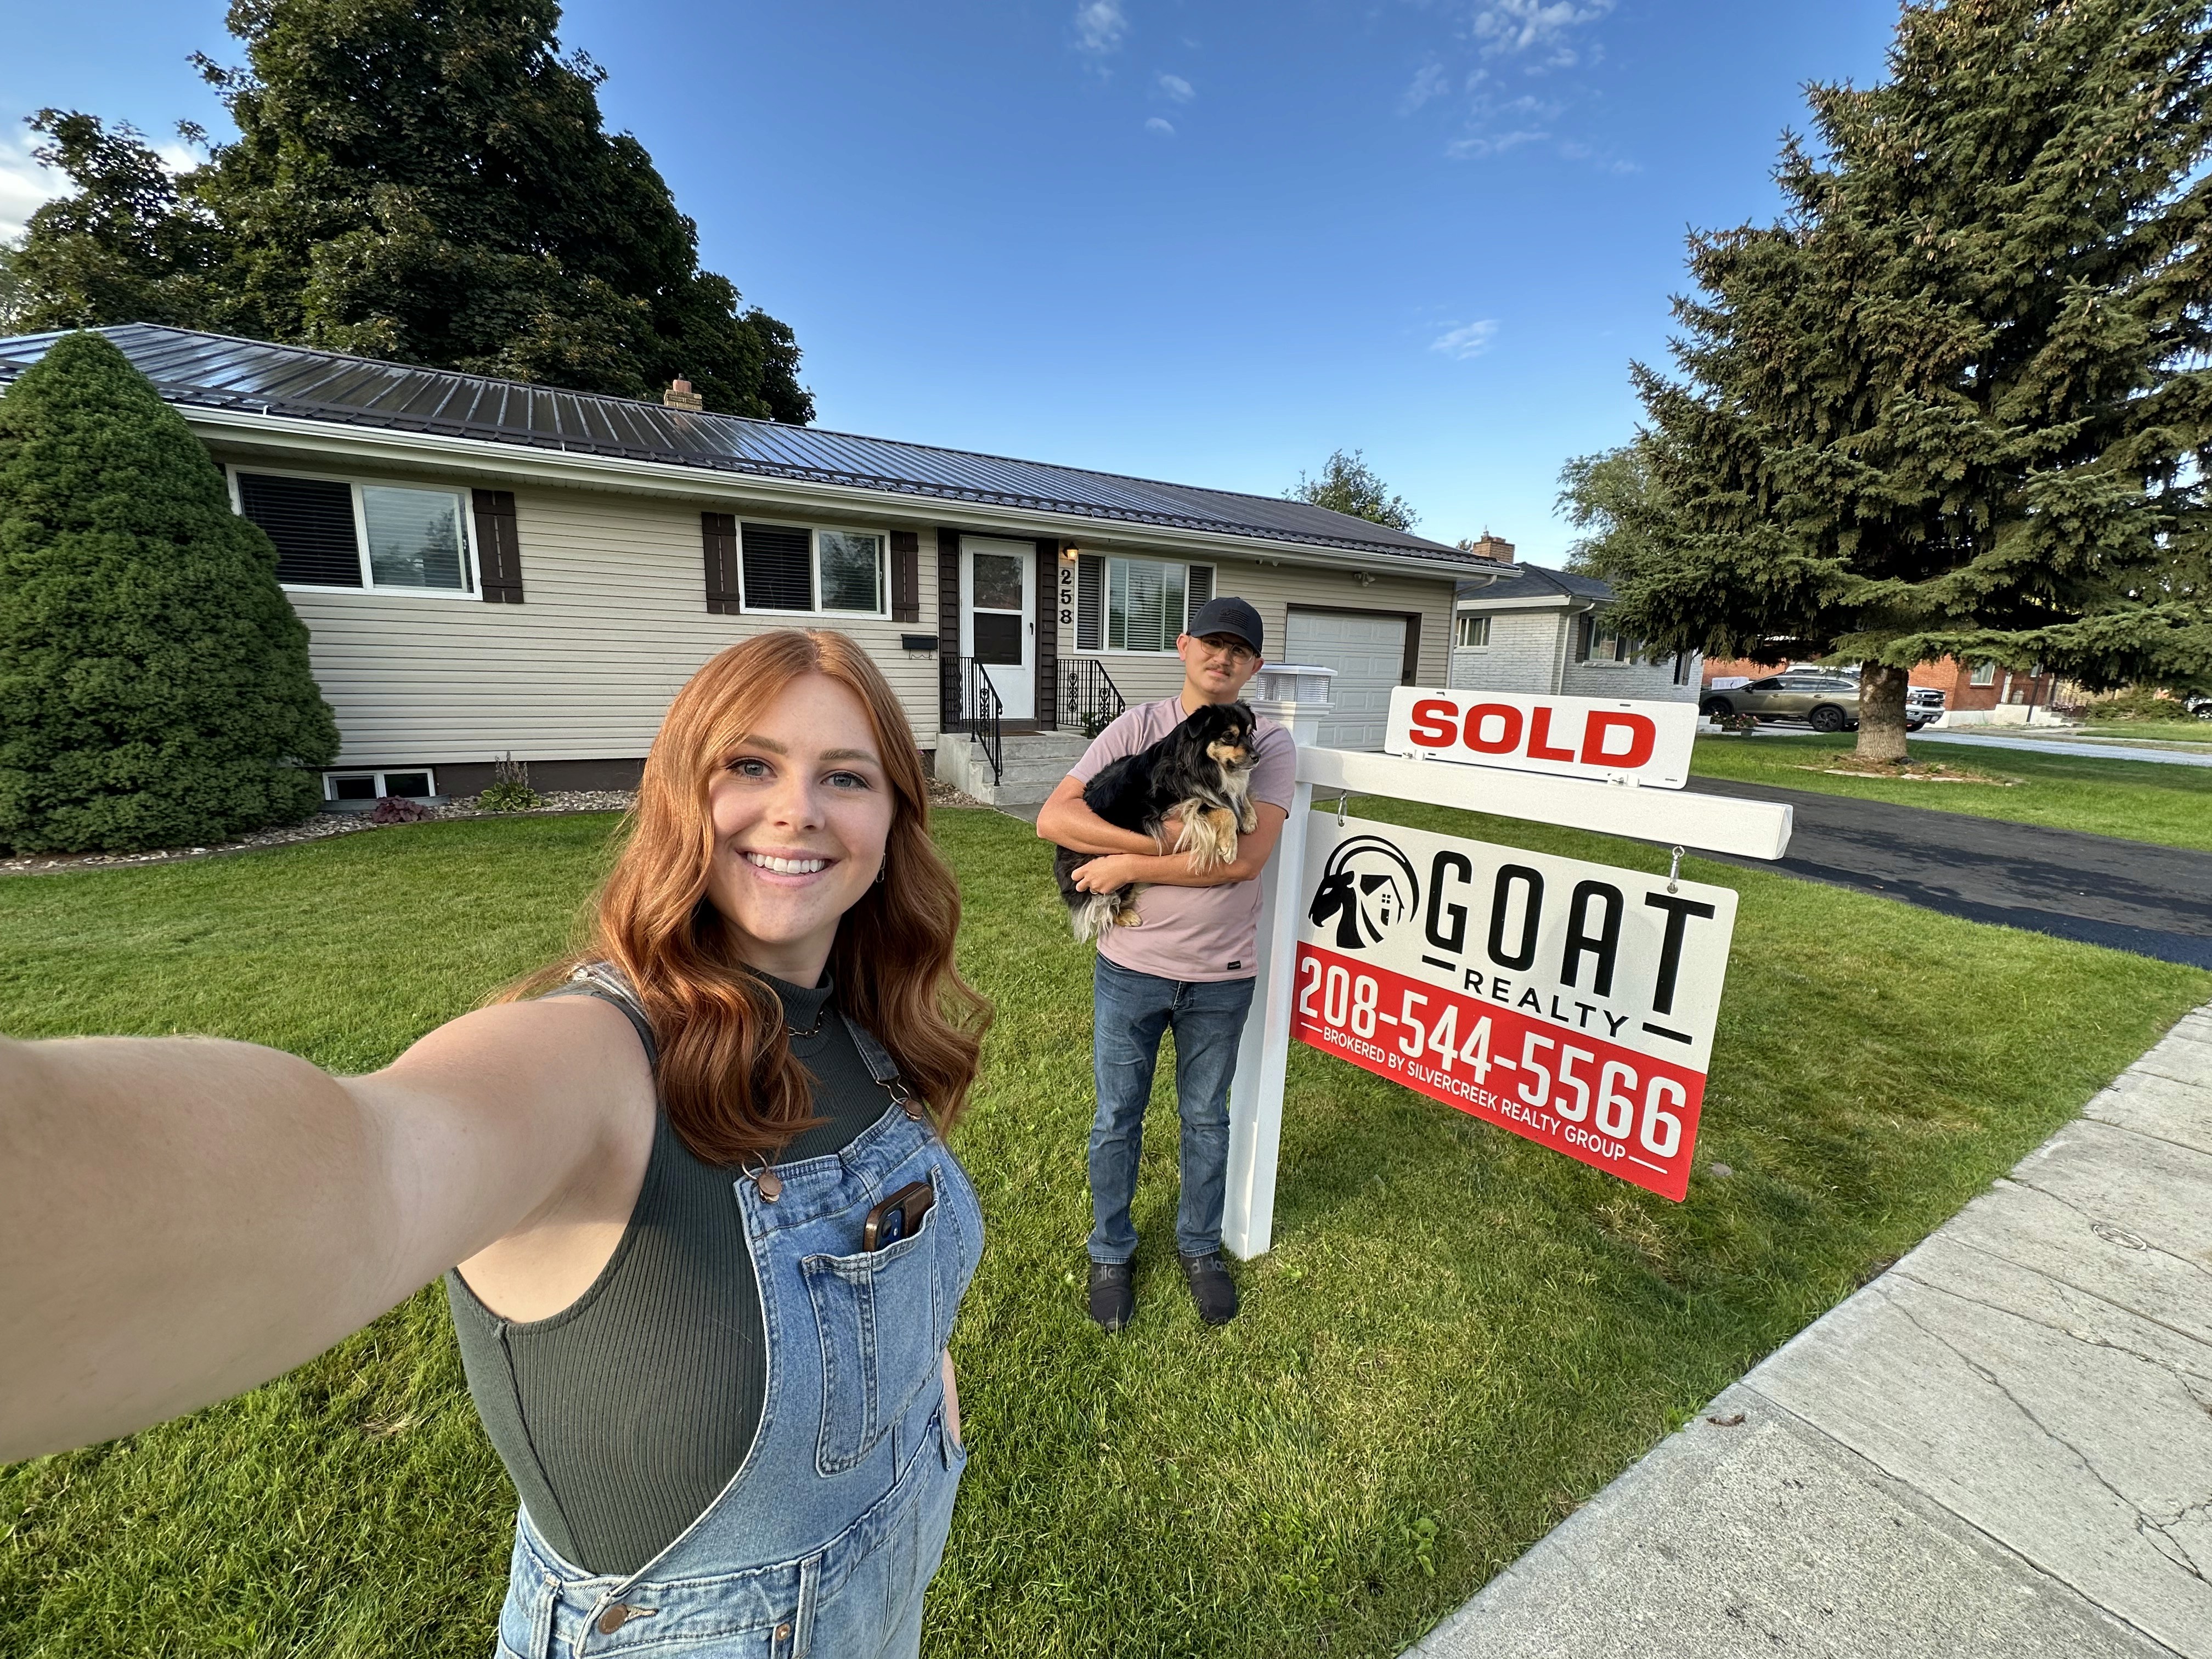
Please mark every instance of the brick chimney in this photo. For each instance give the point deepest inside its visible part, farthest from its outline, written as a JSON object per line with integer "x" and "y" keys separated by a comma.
{"x": 680, "y": 395}
{"x": 1490, "y": 547}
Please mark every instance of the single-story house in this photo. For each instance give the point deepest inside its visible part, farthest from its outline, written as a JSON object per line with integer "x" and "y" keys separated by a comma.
{"x": 487, "y": 567}
{"x": 1522, "y": 627}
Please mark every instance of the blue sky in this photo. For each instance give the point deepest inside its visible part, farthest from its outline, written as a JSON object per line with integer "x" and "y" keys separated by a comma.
{"x": 1197, "y": 240}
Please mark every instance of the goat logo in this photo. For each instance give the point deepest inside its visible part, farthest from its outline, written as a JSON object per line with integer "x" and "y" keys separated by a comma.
{"x": 1366, "y": 889}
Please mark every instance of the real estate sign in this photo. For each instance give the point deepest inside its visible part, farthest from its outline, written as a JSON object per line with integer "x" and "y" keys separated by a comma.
{"x": 1614, "y": 741}
{"x": 1570, "y": 1003}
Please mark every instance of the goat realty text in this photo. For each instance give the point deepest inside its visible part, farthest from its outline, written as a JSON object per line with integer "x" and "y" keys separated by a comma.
{"x": 1570, "y": 1003}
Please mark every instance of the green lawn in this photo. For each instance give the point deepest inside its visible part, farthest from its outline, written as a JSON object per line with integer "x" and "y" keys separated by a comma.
{"x": 2140, "y": 800}
{"x": 1458, "y": 1338}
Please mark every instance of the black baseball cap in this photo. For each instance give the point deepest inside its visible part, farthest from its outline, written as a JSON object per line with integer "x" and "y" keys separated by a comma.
{"x": 1228, "y": 615}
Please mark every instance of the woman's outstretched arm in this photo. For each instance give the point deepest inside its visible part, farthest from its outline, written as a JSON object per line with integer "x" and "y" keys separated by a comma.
{"x": 182, "y": 1218}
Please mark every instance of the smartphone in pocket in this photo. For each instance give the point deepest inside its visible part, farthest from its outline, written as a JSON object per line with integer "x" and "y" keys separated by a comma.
{"x": 898, "y": 1215}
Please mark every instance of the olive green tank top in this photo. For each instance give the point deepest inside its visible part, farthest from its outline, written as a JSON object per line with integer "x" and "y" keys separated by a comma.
{"x": 621, "y": 1417}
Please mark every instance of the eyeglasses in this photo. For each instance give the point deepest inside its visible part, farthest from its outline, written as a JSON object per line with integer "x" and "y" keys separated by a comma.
{"x": 1235, "y": 650}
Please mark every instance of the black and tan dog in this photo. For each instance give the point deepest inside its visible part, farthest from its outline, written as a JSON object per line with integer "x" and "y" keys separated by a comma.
{"x": 1201, "y": 774}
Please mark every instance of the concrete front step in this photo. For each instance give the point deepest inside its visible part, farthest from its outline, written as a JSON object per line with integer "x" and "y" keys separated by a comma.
{"x": 1034, "y": 762}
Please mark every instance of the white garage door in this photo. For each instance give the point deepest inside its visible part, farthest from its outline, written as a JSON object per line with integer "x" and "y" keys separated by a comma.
{"x": 1369, "y": 654}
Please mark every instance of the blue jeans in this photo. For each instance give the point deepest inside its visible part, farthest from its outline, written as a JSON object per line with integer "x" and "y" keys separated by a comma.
{"x": 1130, "y": 1013}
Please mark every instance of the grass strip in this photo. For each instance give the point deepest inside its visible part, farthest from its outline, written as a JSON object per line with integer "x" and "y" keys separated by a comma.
{"x": 1458, "y": 1338}
{"x": 2135, "y": 800}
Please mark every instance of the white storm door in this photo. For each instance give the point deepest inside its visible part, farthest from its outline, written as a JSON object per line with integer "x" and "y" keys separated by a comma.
{"x": 998, "y": 611}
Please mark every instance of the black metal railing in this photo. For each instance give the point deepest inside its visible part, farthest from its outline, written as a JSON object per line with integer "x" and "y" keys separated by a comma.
{"x": 1088, "y": 697}
{"x": 983, "y": 715}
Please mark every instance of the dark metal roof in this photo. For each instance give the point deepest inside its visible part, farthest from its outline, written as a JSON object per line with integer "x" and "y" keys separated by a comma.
{"x": 1536, "y": 582}
{"x": 213, "y": 371}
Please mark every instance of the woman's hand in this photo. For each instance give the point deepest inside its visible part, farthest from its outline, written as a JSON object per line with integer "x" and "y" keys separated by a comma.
{"x": 1103, "y": 875}
{"x": 952, "y": 1400}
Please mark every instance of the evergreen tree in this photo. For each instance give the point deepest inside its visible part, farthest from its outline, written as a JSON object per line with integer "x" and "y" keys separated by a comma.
{"x": 1955, "y": 402}
{"x": 154, "y": 689}
{"x": 427, "y": 181}
{"x": 1349, "y": 484}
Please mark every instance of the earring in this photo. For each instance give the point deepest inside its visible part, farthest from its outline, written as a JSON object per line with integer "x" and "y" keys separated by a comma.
{"x": 880, "y": 868}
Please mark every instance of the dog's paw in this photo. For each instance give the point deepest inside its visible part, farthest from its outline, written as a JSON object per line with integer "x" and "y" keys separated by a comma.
{"x": 1247, "y": 816}
{"x": 1212, "y": 835}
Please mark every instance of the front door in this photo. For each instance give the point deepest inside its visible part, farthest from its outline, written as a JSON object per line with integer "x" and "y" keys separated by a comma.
{"x": 997, "y": 613}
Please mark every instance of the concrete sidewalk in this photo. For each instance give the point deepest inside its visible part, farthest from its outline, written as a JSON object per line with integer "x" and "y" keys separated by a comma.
{"x": 2002, "y": 1446}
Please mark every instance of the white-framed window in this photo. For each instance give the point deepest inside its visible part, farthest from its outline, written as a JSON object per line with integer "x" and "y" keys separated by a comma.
{"x": 409, "y": 783}
{"x": 817, "y": 569}
{"x": 1136, "y": 605}
{"x": 1985, "y": 673}
{"x": 343, "y": 534}
{"x": 1473, "y": 631}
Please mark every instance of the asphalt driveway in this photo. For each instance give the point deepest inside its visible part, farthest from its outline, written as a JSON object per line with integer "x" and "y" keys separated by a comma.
{"x": 2128, "y": 894}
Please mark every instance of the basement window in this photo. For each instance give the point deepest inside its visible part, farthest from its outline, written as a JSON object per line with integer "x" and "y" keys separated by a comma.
{"x": 415, "y": 784}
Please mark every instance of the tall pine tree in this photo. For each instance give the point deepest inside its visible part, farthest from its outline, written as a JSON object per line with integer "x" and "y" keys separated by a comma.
{"x": 154, "y": 689}
{"x": 1955, "y": 403}
{"x": 427, "y": 181}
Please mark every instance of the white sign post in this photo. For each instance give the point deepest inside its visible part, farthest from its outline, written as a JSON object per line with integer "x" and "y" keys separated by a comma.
{"x": 1297, "y": 698}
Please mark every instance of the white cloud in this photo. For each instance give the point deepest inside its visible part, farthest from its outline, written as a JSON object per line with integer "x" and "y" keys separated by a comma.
{"x": 1486, "y": 144}
{"x": 1164, "y": 129}
{"x": 1100, "y": 25}
{"x": 1518, "y": 25}
{"x": 1428, "y": 82}
{"x": 23, "y": 185}
{"x": 1470, "y": 341}
{"x": 1178, "y": 88}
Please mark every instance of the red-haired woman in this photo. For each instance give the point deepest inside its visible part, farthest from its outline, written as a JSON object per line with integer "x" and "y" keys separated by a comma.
{"x": 710, "y": 1239}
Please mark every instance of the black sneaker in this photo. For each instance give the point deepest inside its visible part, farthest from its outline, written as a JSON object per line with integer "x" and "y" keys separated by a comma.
{"x": 1113, "y": 1297}
{"x": 1211, "y": 1287}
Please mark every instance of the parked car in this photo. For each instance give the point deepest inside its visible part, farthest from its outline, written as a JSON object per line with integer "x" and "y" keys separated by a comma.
{"x": 1827, "y": 699}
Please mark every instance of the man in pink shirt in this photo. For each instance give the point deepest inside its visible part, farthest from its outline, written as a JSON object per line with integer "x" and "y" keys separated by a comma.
{"x": 1188, "y": 966}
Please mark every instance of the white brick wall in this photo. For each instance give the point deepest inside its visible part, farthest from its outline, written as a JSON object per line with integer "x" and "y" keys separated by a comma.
{"x": 1524, "y": 654}
{"x": 1528, "y": 653}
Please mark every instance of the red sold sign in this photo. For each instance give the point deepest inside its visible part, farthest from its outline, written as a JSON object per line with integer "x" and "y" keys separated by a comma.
{"x": 1570, "y": 1003}
{"x": 1576, "y": 737}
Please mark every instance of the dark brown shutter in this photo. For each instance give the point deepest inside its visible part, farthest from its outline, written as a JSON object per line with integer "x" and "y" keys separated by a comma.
{"x": 906, "y": 576}
{"x": 499, "y": 549}
{"x": 717, "y": 537}
{"x": 948, "y": 624}
{"x": 1047, "y": 629}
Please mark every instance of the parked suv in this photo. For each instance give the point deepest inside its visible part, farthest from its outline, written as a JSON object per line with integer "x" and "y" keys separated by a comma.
{"x": 1826, "y": 698}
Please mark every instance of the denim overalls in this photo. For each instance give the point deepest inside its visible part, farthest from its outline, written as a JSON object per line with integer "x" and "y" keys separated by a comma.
{"x": 824, "y": 1539}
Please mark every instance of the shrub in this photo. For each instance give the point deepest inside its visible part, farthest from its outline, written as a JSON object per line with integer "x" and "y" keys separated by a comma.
{"x": 2140, "y": 702}
{"x": 510, "y": 790}
{"x": 154, "y": 689}
{"x": 397, "y": 809}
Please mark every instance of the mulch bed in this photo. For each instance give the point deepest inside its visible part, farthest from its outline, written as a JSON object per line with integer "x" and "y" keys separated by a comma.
{"x": 1914, "y": 772}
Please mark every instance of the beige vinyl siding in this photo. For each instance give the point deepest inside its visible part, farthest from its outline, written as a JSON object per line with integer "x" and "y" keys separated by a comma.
{"x": 1271, "y": 589}
{"x": 614, "y": 620}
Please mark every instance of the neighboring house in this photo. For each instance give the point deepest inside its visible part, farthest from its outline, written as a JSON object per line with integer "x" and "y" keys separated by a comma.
{"x": 1522, "y": 627}
{"x": 1974, "y": 694}
{"x": 487, "y": 567}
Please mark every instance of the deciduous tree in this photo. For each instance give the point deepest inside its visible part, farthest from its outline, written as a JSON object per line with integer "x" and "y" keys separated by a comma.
{"x": 427, "y": 181}
{"x": 1349, "y": 484}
